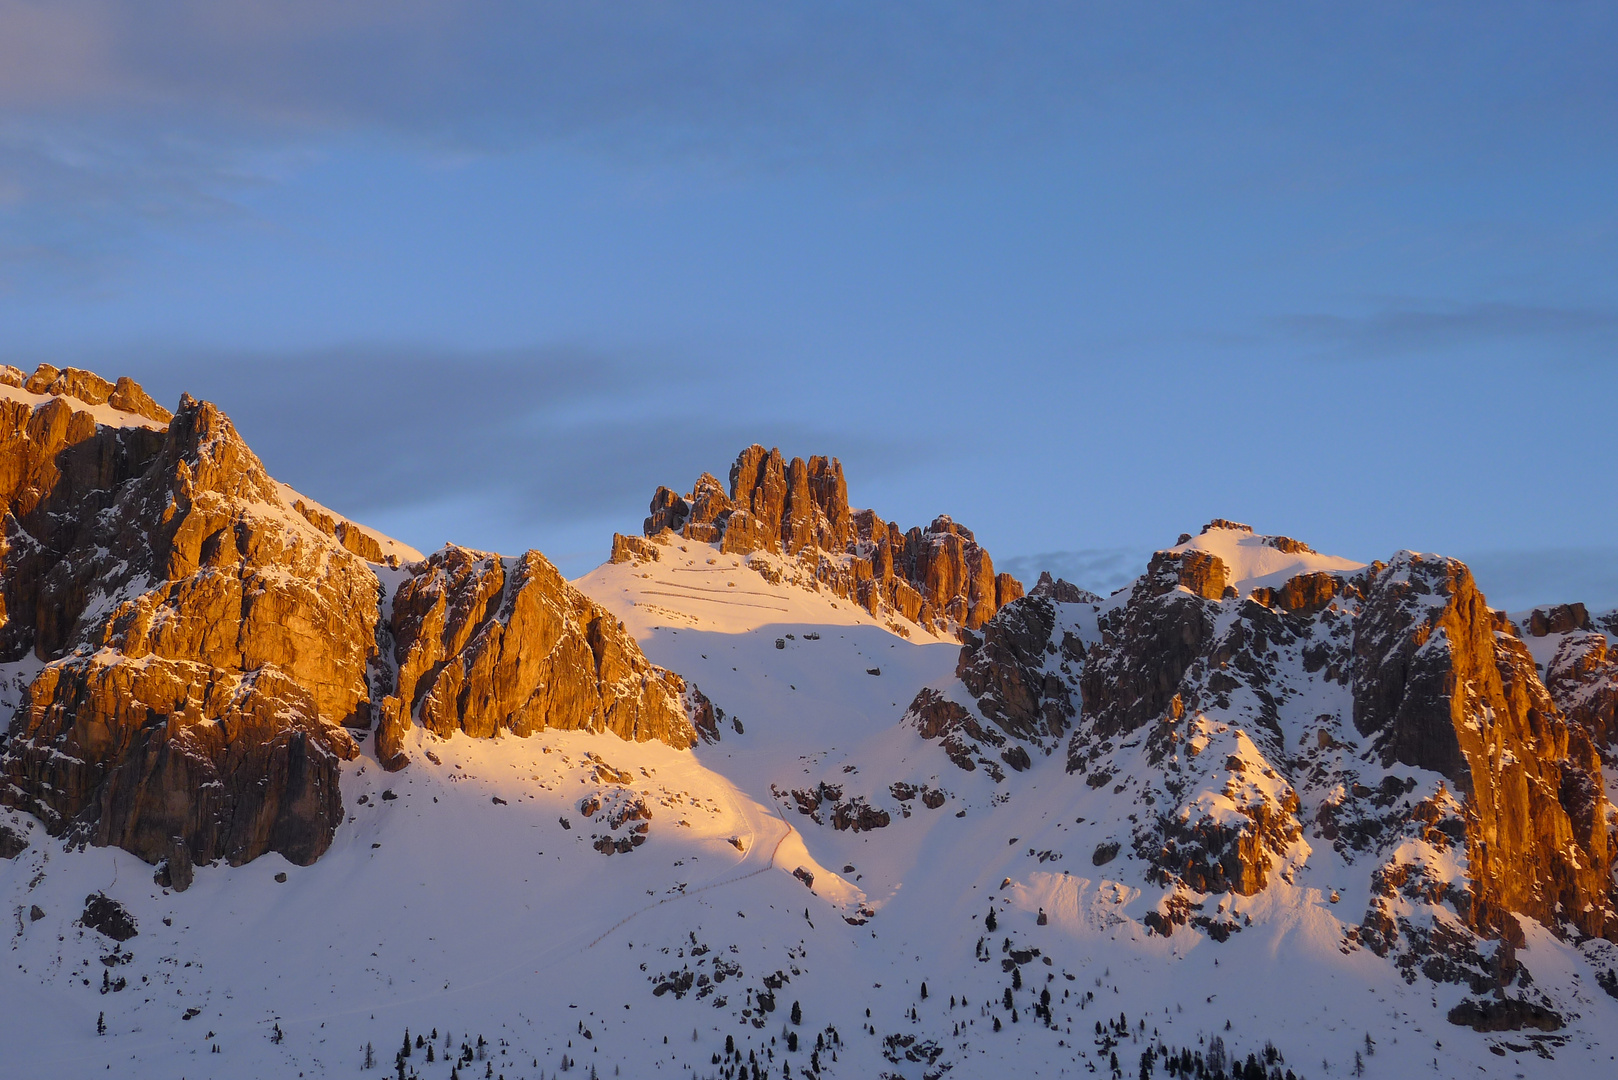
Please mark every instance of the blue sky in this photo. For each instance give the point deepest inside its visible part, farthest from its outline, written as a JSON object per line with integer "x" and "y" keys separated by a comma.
{"x": 1083, "y": 276}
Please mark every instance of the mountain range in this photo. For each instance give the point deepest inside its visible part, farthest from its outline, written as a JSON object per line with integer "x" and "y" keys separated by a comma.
{"x": 781, "y": 789}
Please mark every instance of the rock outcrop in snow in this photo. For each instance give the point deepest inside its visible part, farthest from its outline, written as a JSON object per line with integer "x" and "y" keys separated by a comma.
{"x": 486, "y": 645}
{"x": 938, "y": 577}
{"x": 201, "y": 647}
{"x": 1443, "y": 683}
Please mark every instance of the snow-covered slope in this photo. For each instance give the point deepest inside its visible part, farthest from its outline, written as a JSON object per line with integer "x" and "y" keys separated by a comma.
{"x": 821, "y": 876}
{"x": 1255, "y": 561}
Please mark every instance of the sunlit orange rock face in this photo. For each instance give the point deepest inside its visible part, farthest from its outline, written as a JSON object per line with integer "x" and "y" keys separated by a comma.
{"x": 1438, "y": 684}
{"x": 211, "y": 654}
{"x": 202, "y": 647}
{"x": 486, "y": 645}
{"x": 938, "y": 577}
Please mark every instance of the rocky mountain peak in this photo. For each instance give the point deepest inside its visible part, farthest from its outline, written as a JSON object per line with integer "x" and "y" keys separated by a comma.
{"x": 1224, "y": 696}
{"x": 797, "y": 511}
{"x": 1063, "y": 592}
{"x": 204, "y": 644}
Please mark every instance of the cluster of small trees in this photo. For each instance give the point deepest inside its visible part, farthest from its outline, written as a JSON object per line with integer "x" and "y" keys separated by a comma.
{"x": 1214, "y": 1063}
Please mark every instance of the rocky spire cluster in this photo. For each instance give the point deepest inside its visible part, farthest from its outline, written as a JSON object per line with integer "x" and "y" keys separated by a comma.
{"x": 938, "y": 577}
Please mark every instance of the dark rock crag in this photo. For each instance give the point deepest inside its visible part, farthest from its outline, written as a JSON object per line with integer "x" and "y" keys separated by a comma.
{"x": 939, "y": 577}
{"x": 1020, "y": 673}
{"x": 1419, "y": 667}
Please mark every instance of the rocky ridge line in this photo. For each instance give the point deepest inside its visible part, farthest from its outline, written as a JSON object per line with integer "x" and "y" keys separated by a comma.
{"x": 938, "y": 578}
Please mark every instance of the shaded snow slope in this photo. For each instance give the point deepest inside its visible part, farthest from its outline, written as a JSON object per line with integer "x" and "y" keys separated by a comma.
{"x": 694, "y": 584}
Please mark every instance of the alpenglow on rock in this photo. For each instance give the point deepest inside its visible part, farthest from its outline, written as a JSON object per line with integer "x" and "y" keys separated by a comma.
{"x": 208, "y": 647}
{"x": 202, "y": 646}
{"x": 486, "y": 645}
{"x": 939, "y": 577}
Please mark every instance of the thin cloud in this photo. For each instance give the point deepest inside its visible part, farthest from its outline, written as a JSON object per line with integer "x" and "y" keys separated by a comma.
{"x": 1402, "y": 330}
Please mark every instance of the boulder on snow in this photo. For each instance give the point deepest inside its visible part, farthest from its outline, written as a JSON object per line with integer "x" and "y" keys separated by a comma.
{"x": 107, "y": 916}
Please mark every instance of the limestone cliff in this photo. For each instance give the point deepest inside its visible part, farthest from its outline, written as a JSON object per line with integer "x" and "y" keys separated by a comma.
{"x": 1438, "y": 683}
{"x": 486, "y": 645}
{"x": 201, "y": 645}
{"x": 938, "y": 577}
{"x": 197, "y": 641}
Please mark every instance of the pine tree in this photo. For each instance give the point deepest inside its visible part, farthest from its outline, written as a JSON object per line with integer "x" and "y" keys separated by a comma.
{"x": 101, "y": 1023}
{"x": 370, "y": 1057}
{"x": 797, "y": 1011}
{"x": 1016, "y": 978}
{"x": 924, "y": 991}
{"x": 990, "y": 922}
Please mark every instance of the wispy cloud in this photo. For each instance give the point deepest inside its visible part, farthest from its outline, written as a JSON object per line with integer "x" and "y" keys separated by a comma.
{"x": 1403, "y": 329}
{"x": 118, "y": 118}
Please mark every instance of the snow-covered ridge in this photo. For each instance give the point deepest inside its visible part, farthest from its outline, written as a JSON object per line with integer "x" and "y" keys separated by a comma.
{"x": 696, "y": 584}
{"x": 1253, "y": 561}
